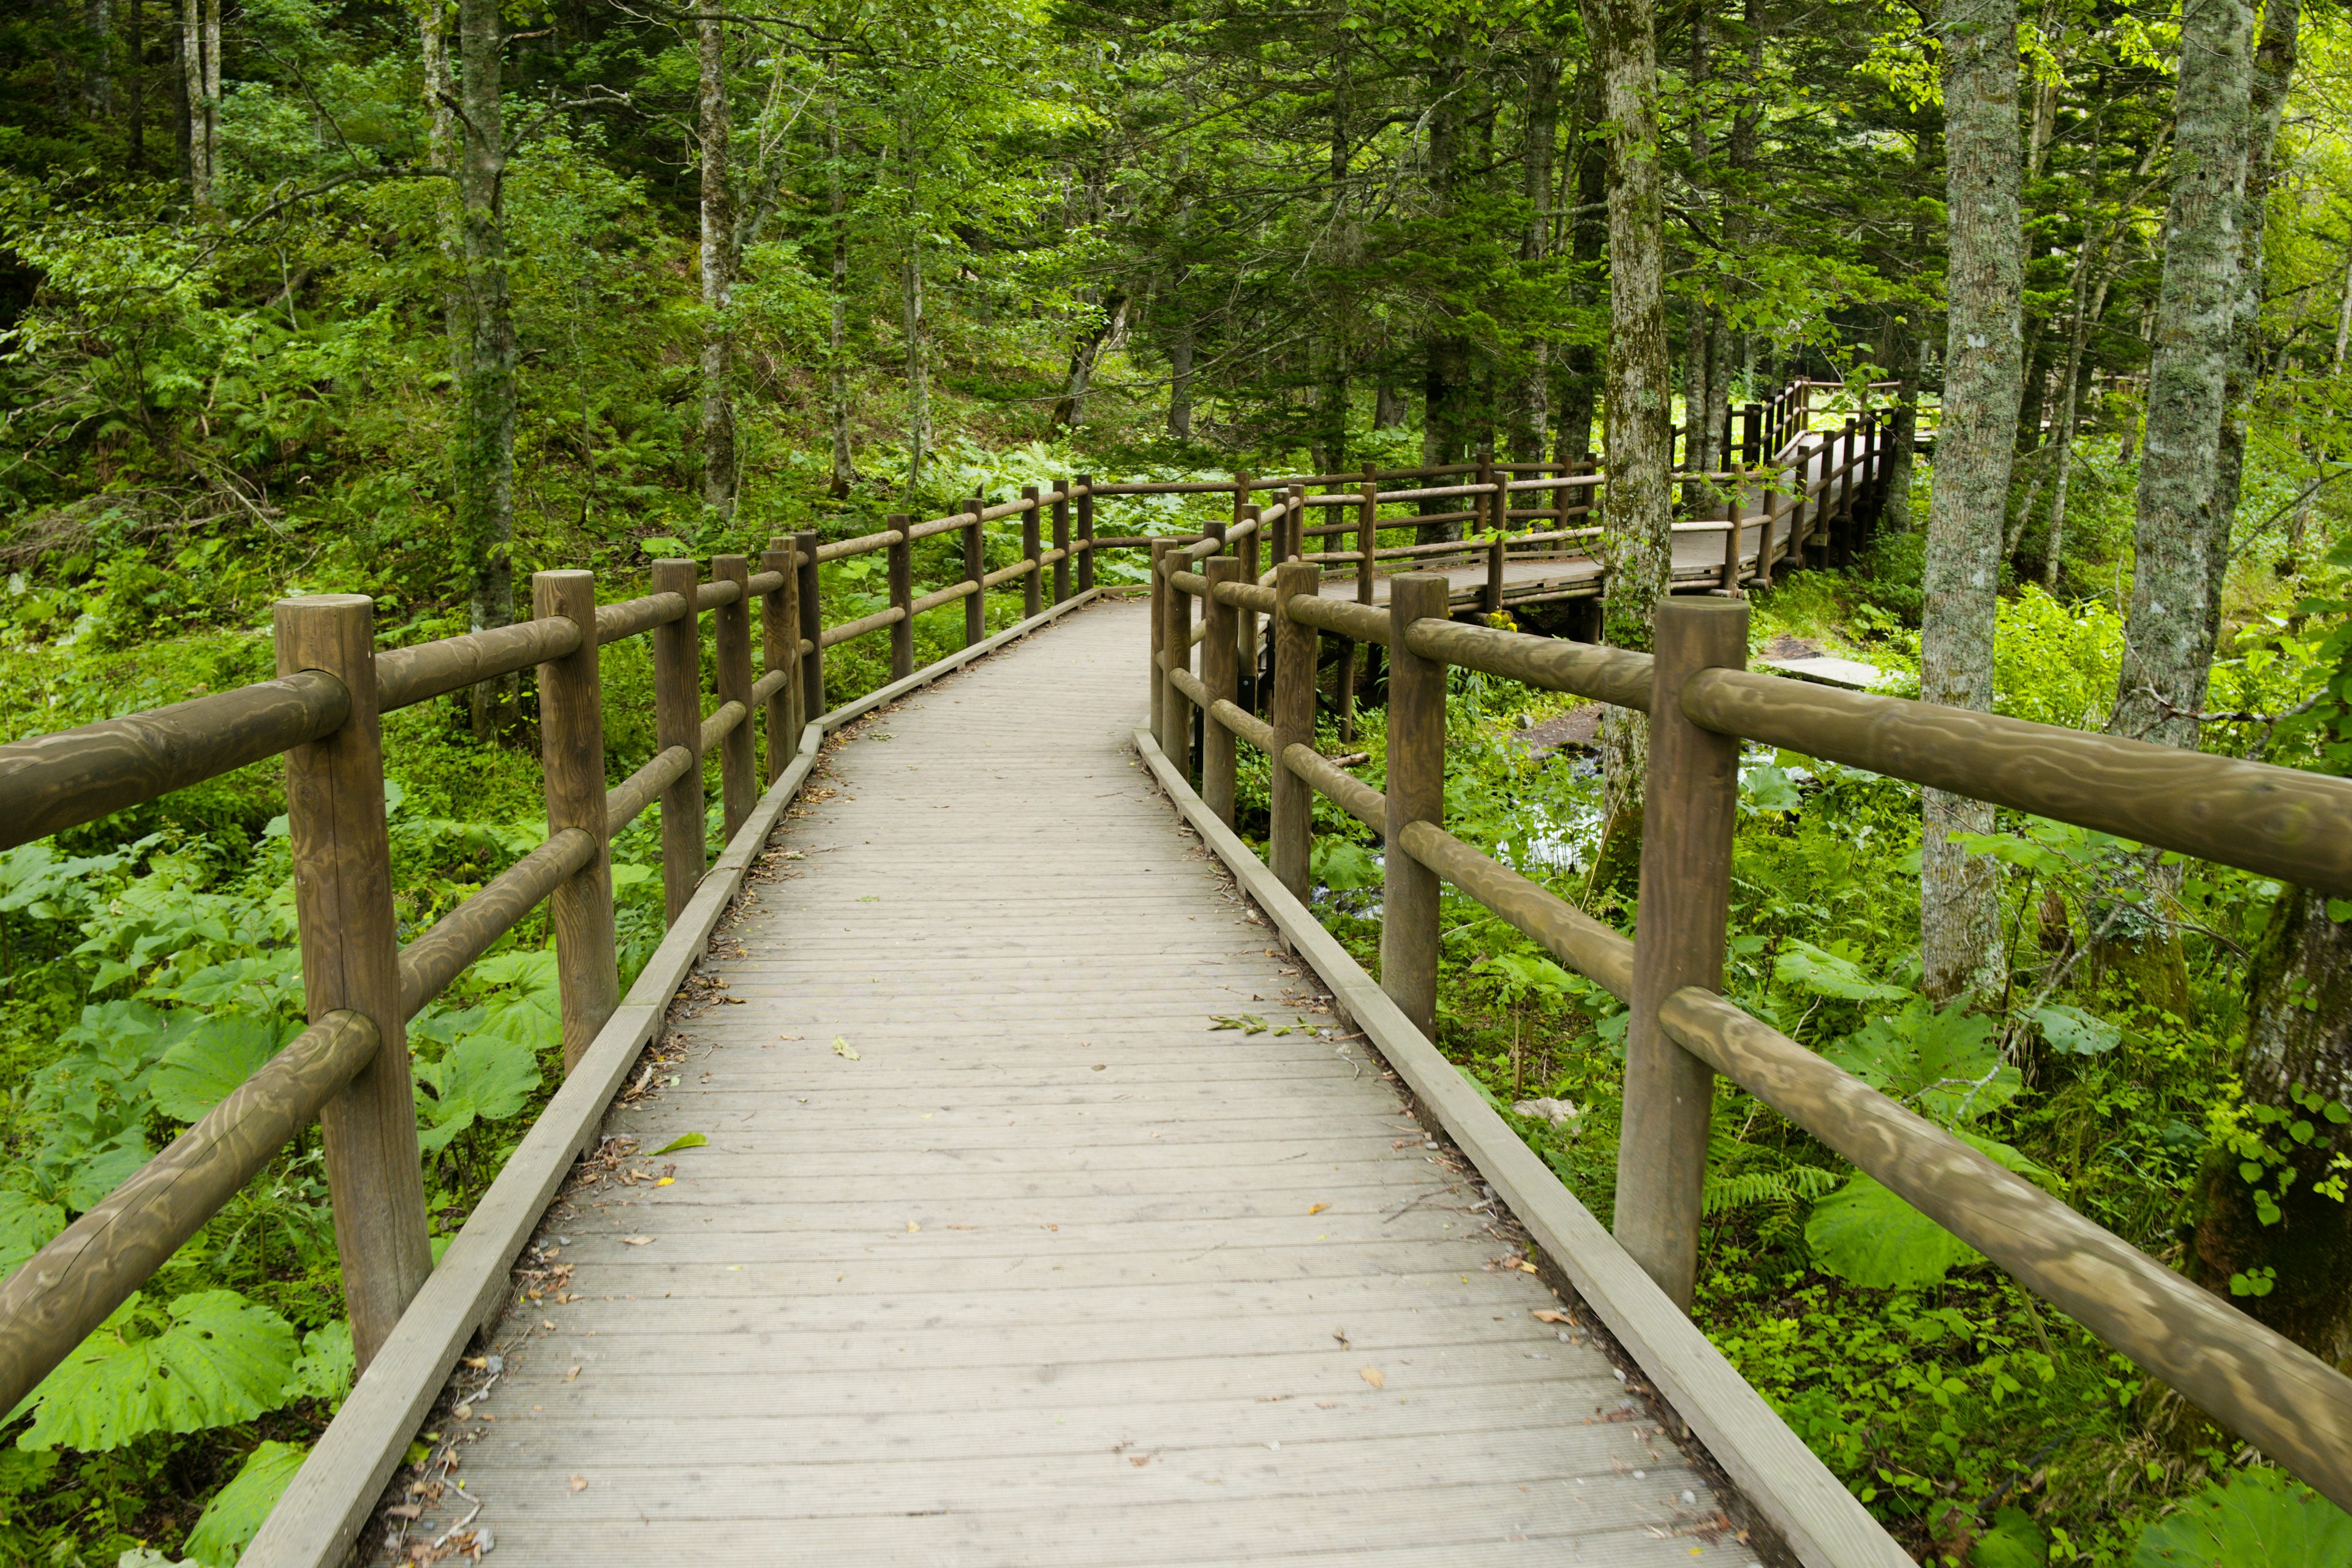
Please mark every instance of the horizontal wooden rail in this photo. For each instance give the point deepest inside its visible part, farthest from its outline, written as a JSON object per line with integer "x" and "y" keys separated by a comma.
{"x": 1613, "y": 675}
{"x": 627, "y": 800}
{"x": 429, "y": 964}
{"x": 1568, "y": 934}
{"x": 2280, "y": 1397}
{"x": 834, "y": 635}
{"x": 2279, "y": 822}
{"x": 407, "y": 676}
{"x": 840, "y": 549}
{"x": 712, "y": 595}
{"x": 946, "y": 596}
{"x": 59, "y": 1295}
{"x": 1243, "y": 723}
{"x": 942, "y": 525}
{"x": 722, "y": 725}
{"x": 51, "y": 783}
{"x": 1007, "y": 574}
{"x": 1343, "y": 789}
{"x": 629, "y": 617}
{"x": 1364, "y": 623}
{"x": 1246, "y": 596}
{"x": 767, "y": 686}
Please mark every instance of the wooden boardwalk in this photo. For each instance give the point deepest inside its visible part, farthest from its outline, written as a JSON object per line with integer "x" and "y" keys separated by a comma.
{"x": 1001, "y": 1253}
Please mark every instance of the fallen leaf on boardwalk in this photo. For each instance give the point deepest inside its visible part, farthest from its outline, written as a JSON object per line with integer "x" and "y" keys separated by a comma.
{"x": 912, "y": 1227}
{"x": 1521, "y": 1264}
{"x": 1549, "y": 1316}
{"x": 571, "y": 1373}
{"x": 665, "y": 1181}
{"x": 1317, "y": 1208}
{"x": 636, "y": 1240}
{"x": 580, "y": 1483}
{"x": 462, "y": 1412}
{"x": 842, "y": 1047}
{"x": 1376, "y": 1377}
{"x": 683, "y": 1140}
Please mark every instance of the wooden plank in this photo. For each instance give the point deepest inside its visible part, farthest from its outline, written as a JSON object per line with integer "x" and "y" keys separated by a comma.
{"x": 782, "y": 1354}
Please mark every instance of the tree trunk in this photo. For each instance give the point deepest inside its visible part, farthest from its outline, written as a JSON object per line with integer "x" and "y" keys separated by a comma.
{"x": 2288, "y": 1260}
{"x": 1959, "y": 902}
{"x": 443, "y": 152}
{"x": 211, "y": 122}
{"x": 98, "y": 82}
{"x": 1070, "y": 408}
{"x": 2181, "y": 526}
{"x": 134, "y": 72}
{"x": 2275, "y": 62}
{"x": 1588, "y": 242}
{"x": 1448, "y": 390}
{"x": 191, "y": 84}
{"x": 1180, "y": 373}
{"x": 484, "y": 456}
{"x": 2078, "y": 334}
{"x": 1388, "y": 404}
{"x": 837, "y": 359}
{"x": 1532, "y": 424}
{"x": 715, "y": 129}
{"x": 1637, "y": 410}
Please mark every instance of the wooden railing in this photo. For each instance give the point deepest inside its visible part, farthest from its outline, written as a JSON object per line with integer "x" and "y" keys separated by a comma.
{"x": 1702, "y": 702}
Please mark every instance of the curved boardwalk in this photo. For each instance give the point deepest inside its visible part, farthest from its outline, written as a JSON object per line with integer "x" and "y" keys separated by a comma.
{"x": 1051, "y": 1270}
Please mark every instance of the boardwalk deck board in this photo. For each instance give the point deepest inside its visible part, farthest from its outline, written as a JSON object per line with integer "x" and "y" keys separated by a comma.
{"x": 933, "y": 1305}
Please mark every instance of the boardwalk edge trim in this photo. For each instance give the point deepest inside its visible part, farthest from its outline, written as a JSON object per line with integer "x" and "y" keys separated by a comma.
{"x": 1776, "y": 1473}
{"x": 332, "y": 1498}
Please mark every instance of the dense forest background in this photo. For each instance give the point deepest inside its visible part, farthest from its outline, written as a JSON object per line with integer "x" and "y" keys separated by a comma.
{"x": 413, "y": 299}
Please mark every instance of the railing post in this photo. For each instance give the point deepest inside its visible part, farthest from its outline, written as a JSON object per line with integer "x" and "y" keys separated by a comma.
{"x": 1290, "y": 842}
{"x": 678, "y": 721}
{"x": 1159, "y": 591}
{"x": 1751, "y": 436}
{"x": 1731, "y": 542}
{"x": 1690, "y": 803}
{"x": 975, "y": 569}
{"x": 780, "y": 650}
{"x": 1176, "y": 639}
{"x": 571, "y": 756}
{"x": 1219, "y": 669}
{"x": 1245, "y": 621}
{"x": 731, "y": 638}
{"x": 901, "y": 566}
{"x": 1416, "y": 793}
{"x": 1062, "y": 540}
{"x": 350, "y": 958}
{"x": 1841, "y": 546}
{"x": 1294, "y": 527}
{"x": 1764, "y": 545}
{"x": 812, "y": 631}
{"x": 1242, "y": 486}
{"x": 1031, "y": 589}
{"x": 1086, "y": 533}
{"x": 1368, "y": 533}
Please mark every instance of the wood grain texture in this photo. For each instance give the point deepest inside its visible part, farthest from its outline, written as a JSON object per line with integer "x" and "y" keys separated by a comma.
{"x": 51, "y": 783}
{"x": 405, "y": 676}
{"x": 812, "y": 663}
{"x": 678, "y": 721}
{"x": 934, "y": 1303}
{"x": 343, "y": 907}
{"x": 631, "y": 617}
{"x": 730, "y": 643}
{"x": 1416, "y": 792}
{"x": 780, "y": 654}
{"x": 59, "y": 1295}
{"x": 1690, "y": 804}
{"x": 1219, "y": 667}
{"x": 571, "y": 756}
{"x": 1290, "y": 839}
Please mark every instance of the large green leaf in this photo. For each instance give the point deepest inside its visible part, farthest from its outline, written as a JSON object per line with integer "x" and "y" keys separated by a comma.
{"x": 326, "y": 1367}
{"x": 27, "y": 1226}
{"x": 483, "y": 1077}
{"x": 1946, "y": 1065}
{"x": 201, "y": 1069}
{"x": 105, "y": 1168}
{"x": 2075, "y": 1032}
{"x": 236, "y": 1511}
{"x": 1340, "y": 866}
{"x": 1828, "y": 974}
{"x": 220, "y": 1359}
{"x": 2014, "y": 1541}
{"x": 1865, "y": 1234}
{"x": 2262, "y": 1518}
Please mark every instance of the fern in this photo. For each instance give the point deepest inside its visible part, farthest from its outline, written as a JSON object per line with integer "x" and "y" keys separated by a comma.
{"x": 1729, "y": 1192}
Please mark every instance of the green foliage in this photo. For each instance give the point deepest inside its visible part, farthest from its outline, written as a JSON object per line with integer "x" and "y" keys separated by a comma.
{"x": 2260, "y": 1517}
{"x": 213, "y": 1358}
{"x": 236, "y": 1511}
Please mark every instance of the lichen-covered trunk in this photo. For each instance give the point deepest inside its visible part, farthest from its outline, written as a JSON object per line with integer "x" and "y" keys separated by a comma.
{"x": 1637, "y": 388}
{"x": 483, "y": 465}
{"x": 191, "y": 79}
{"x": 1448, "y": 387}
{"x": 1180, "y": 375}
{"x": 2281, "y": 1246}
{"x": 2181, "y": 534}
{"x": 715, "y": 130}
{"x": 1531, "y": 413}
{"x": 444, "y": 154}
{"x": 2275, "y": 62}
{"x": 1959, "y": 907}
{"x": 1579, "y": 381}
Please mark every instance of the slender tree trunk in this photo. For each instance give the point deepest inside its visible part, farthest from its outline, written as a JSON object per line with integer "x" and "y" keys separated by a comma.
{"x": 1180, "y": 373}
{"x": 1960, "y": 903}
{"x": 134, "y": 72}
{"x": 1070, "y": 408}
{"x": 2181, "y": 525}
{"x": 1331, "y": 440}
{"x": 837, "y": 358}
{"x": 915, "y": 328}
{"x": 1448, "y": 386}
{"x": 211, "y": 124}
{"x": 1637, "y": 416}
{"x": 1588, "y": 243}
{"x": 1531, "y": 427}
{"x": 2078, "y": 334}
{"x": 98, "y": 81}
{"x": 484, "y": 462}
{"x": 443, "y": 152}
{"x": 191, "y": 79}
{"x": 1388, "y": 404}
{"x": 2275, "y": 62}
{"x": 715, "y": 129}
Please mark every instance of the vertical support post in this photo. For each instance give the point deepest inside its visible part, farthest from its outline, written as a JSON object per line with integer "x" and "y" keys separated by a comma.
{"x": 1483, "y": 504}
{"x": 730, "y": 629}
{"x": 1752, "y": 435}
{"x": 1294, "y": 527}
{"x": 1290, "y": 842}
{"x": 678, "y": 721}
{"x": 1175, "y": 708}
{"x": 1416, "y": 793}
{"x": 1245, "y": 621}
{"x": 1841, "y": 541}
{"x": 780, "y": 650}
{"x": 900, "y": 565}
{"x": 1031, "y": 589}
{"x": 811, "y": 630}
{"x": 1690, "y": 801}
{"x": 1368, "y": 533}
{"x": 1062, "y": 540}
{"x": 572, "y": 759}
{"x": 1159, "y": 591}
{"x": 1730, "y": 583}
{"x": 350, "y": 958}
{"x": 1764, "y": 545}
{"x": 1242, "y": 484}
{"x": 1086, "y": 533}
{"x": 975, "y": 568}
{"x": 1220, "y": 668}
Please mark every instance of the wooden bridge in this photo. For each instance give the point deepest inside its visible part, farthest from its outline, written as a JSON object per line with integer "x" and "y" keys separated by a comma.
{"x": 1064, "y": 1192}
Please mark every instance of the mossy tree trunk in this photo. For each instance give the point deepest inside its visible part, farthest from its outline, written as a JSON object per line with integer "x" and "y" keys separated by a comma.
{"x": 483, "y": 463}
{"x": 715, "y": 129}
